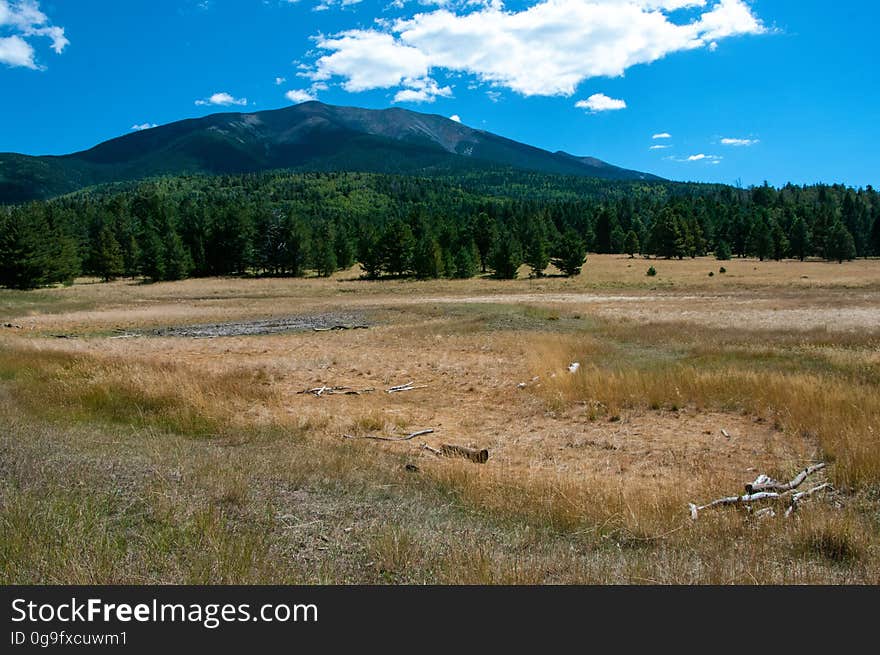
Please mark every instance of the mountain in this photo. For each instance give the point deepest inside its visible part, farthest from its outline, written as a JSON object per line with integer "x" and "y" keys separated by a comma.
{"x": 310, "y": 136}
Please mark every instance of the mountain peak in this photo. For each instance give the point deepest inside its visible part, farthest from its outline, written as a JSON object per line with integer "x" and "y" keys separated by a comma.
{"x": 307, "y": 136}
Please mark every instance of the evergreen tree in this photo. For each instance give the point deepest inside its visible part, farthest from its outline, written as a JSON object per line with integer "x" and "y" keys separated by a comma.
{"x": 152, "y": 252}
{"x": 875, "y": 235}
{"x": 32, "y": 252}
{"x": 760, "y": 241}
{"x": 722, "y": 251}
{"x": 535, "y": 250}
{"x": 506, "y": 256}
{"x": 485, "y": 234}
{"x": 666, "y": 239}
{"x": 177, "y": 260}
{"x": 427, "y": 259}
{"x": 780, "y": 241}
{"x": 840, "y": 244}
{"x": 799, "y": 238}
{"x": 105, "y": 259}
{"x": 324, "y": 250}
{"x": 294, "y": 245}
{"x": 397, "y": 244}
{"x": 370, "y": 253}
{"x": 631, "y": 243}
{"x": 345, "y": 252}
{"x": 569, "y": 253}
{"x": 465, "y": 263}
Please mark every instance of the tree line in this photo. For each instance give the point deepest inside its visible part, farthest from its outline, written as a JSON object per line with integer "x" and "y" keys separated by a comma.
{"x": 283, "y": 224}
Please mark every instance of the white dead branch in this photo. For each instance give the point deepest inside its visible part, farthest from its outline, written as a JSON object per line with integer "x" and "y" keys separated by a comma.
{"x": 412, "y": 435}
{"x": 329, "y": 391}
{"x": 798, "y": 497}
{"x": 409, "y": 386}
{"x": 766, "y": 483}
{"x": 765, "y": 488}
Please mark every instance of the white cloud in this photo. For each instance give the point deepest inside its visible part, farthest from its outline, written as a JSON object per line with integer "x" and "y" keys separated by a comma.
{"x": 659, "y": 147}
{"x": 600, "y": 102}
{"x": 547, "y": 48}
{"x": 15, "y": 51}
{"x": 324, "y": 5}
{"x": 300, "y": 95}
{"x": 19, "y": 21}
{"x": 662, "y": 135}
{"x": 422, "y": 90}
{"x": 456, "y": 118}
{"x": 143, "y": 126}
{"x": 739, "y": 142}
{"x": 711, "y": 159}
{"x": 223, "y": 99}
{"x": 280, "y": 80}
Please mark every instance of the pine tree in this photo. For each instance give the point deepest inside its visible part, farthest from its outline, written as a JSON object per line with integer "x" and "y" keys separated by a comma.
{"x": 666, "y": 239}
{"x": 485, "y": 234}
{"x": 840, "y": 244}
{"x": 345, "y": 252}
{"x": 466, "y": 260}
{"x": 631, "y": 243}
{"x": 760, "y": 241}
{"x": 799, "y": 238}
{"x": 569, "y": 253}
{"x": 370, "y": 253}
{"x": 177, "y": 260}
{"x": 24, "y": 258}
{"x": 152, "y": 253}
{"x": 506, "y": 256}
{"x": 397, "y": 245}
{"x": 780, "y": 241}
{"x": 105, "y": 259}
{"x": 427, "y": 261}
{"x": 722, "y": 251}
{"x": 535, "y": 250}
{"x": 294, "y": 245}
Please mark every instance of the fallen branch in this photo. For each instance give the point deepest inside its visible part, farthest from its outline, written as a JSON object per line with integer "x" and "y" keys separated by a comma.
{"x": 765, "y": 488}
{"x": 805, "y": 494}
{"x": 378, "y": 438}
{"x": 409, "y": 386}
{"x": 329, "y": 391}
{"x": 765, "y": 483}
{"x": 733, "y": 500}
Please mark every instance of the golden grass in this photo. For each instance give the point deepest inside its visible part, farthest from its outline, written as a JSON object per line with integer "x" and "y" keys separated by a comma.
{"x": 176, "y": 460}
{"x": 841, "y": 415}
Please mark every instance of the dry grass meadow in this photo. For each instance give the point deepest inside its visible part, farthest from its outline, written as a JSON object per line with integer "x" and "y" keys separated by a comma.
{"x": 130, "y": 456}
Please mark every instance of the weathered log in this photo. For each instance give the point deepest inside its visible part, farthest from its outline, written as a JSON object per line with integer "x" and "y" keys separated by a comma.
{"x": 409, "y": 386}
{"x": 733, "y": 500}
{"x": 766, "y": 488}
{"x": 412, "y": 435}
{"x": 805, "y": 494}
{"x": 475, "y": 456}
{"x": 765, "y": 483}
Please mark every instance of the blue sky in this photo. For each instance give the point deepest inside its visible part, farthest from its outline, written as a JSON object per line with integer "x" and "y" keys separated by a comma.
{"x": 746, "y": 90}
